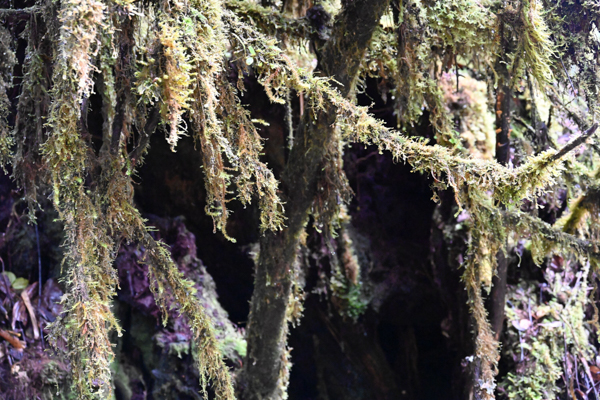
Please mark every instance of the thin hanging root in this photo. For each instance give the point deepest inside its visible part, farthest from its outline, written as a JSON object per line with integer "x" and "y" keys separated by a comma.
{"x": 6, "y": 65}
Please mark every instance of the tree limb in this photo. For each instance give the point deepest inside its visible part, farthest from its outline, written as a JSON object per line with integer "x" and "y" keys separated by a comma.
{"x": 269, "y": 21}
{"x": 497, "y": 298}
{"x": 519, "y": 219}
{"x": 16, "y": 14}
{"x": 19, "y": 11}
{"x": 574, "y": 143}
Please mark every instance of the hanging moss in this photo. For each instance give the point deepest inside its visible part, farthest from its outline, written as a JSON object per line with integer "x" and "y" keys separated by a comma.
{"x": 6, "y": 67}
{"x": 535, "y": 49}
{"x": 173, "y": 65}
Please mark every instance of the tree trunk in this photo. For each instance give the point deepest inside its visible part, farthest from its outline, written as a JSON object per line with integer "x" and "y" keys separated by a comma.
{"x": 340, "y": 57}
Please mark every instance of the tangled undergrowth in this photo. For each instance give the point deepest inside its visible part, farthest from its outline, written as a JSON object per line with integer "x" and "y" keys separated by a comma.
{"x": 179, "y": 67}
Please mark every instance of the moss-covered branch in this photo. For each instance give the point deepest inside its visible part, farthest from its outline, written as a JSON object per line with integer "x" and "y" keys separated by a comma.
{"x": 271, "y": 22}
{"x": 561, "y": 241}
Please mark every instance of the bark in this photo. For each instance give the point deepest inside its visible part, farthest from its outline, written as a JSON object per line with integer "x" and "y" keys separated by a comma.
{"x": 339, "y": 58}
{"x": 498, "y": 293}
{"x": 497, "y": 298}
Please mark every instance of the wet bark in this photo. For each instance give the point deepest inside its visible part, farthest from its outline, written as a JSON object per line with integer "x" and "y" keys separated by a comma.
{"x": 497, "y": 297}
{"x": 498, "y": 294}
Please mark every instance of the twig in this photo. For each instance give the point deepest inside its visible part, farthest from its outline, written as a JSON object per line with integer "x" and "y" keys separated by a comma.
{"x": 16, "y": 343}
{"x": 39, "y": 254}
{"x": 17, "y": 14}
{"x": 576, "y": 373}
{"x": 568, "y": 378}
{"x": 525, "y": 124}
{"x": 574, "y": 143}
{"x": 566, "y": 73}
{"x": 117, "y": 126}
{"x": 456, "y": 67}
{"x": 517, "y": 218}
{"x": 586, "y": 366}
{"x": 289, "y": 120}
{"x": 574, "y": 115}
{"x": 521, "y": 346}
{"x": 19, "y": 11}
{"x": 588, "y": 374}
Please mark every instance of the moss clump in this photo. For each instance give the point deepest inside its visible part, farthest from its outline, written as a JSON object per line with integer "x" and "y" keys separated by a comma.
{"x": 472, "y": 118}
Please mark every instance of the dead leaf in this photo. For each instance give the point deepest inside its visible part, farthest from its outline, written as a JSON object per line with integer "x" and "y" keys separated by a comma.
{"x": 34, "y": 323}
{"x": 595, "y": 371}
{"x": 19, "y": 313}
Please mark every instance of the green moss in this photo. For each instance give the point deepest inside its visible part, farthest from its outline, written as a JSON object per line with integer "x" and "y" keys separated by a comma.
{"x": 535, "y": 49}
{"x": 557, "y": 328}
{"x": 7, "y": 63}
{"x": 233, "y": 345}
{"x": 176, "y": 58}
{"x": 466, "y": 24}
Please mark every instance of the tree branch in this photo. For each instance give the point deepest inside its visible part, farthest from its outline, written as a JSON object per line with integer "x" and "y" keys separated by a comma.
{"x": 497, "y": 298}
{"x": 117, "y": 126}
{"x": 16, "y": 14}
{"x": 584, "y": 247}
{"x": 271, "y": 22}
{"x": 19, "y": 11}
{"x": 574, "y": 143}
{"x": 573, "y": 114}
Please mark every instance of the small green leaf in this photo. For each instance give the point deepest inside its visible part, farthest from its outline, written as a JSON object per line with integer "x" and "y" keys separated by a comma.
{"x": 11, "y": 277}
{"x": 20, "y": 283}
